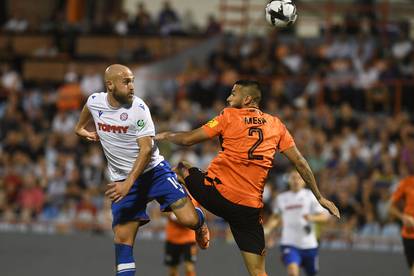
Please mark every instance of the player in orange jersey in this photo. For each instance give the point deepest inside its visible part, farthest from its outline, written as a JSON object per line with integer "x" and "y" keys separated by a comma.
{"x": 233, "y": 185}
{"x": 405, "y": 193}
{"x": 180, "y": 242}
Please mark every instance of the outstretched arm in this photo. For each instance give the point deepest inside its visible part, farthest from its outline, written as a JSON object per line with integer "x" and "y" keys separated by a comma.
{"x": 185, "y": 138}
{"x": 80, "y": 128}
{"x": 302, "y": 166}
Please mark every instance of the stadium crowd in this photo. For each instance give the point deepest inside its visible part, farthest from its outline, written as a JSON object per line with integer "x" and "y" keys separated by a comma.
{"x": 336, "y": 94}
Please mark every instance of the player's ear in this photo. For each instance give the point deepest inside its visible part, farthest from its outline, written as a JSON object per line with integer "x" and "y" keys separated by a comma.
{"x": 247, "y": 100}
{"x": 110, "y": 85}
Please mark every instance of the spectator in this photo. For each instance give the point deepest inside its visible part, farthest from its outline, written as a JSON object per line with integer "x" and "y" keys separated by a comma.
{"x": 91, "y": 82}
{"x": 168, "y": 20}
{"x": 16, "y": 23}
{"x": 213, "y": 26}
{"x": 142, "y": 23}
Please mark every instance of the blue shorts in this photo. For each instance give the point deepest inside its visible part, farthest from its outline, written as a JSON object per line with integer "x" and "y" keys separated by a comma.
{"x": 160, "y": 183}
{"x": 306, "y": 258}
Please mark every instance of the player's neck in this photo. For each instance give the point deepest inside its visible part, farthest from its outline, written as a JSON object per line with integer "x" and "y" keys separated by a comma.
{"x": 113, "y": 102}
{"x": 251, "y": 106}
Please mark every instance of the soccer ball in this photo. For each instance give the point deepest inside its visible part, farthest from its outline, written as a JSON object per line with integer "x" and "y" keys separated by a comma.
{"x": 281, "y": 13}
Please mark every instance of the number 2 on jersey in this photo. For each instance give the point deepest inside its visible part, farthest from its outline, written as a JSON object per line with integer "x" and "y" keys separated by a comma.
{"x": 259, "y": 132}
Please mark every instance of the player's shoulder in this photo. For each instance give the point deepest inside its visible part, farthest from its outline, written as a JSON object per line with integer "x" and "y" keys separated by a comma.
{"x": 229, "y": 110}
{"x": 139, "y": 104}
{"x": 271, "y": 117}
{"x": 97, "y": 96}
{"x": 96, "y": 100}
{"x": 409, "y": 180}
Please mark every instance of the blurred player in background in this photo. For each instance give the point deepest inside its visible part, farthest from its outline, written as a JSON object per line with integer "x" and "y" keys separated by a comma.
{"x": 233, "y": 186}
{"x": 297, "y": 210}
{"x": 138, "y": 172}
{"x": 405, "y": 194}
{"x": 180, "y": 243}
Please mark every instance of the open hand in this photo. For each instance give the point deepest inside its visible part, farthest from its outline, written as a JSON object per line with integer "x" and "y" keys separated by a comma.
{"x": 330, "y": 206}
{"x": 88, "y": 135}
{"x": 117, "y": 191}
{"x": 92, "y": 136}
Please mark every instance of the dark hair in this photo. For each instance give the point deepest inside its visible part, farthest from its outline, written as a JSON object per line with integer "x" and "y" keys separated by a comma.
{"x": 253, "y": 89}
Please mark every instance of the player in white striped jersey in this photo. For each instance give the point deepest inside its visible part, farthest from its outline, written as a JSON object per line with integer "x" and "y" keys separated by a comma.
{"x": 138, "y": 172}
{"x": 297, "y": 210}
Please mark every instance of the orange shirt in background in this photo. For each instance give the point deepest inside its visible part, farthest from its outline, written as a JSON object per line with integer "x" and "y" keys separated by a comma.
{"x": 405, "y": 191}
{"x": 250, "y": 139}
{"x": 69, "y": 97}
{"x": 177, "y": 233}
{"x": 75, "y": 10}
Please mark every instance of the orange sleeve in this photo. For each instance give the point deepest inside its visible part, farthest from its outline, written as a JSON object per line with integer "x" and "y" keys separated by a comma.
{"x": 286, "y": 140}
{"x": 215, "y": 126}
{"x": 399, "y": 193}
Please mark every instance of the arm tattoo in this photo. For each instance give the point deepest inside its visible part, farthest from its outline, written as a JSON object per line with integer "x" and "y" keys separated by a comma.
{"x": 305, "y": 171}
{"x": 179, "y": 203}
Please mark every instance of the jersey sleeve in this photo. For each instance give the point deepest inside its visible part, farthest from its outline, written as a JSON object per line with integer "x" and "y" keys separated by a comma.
{"x": 399, "y": 192}
{"x": 216, "y": 125}
{"x": 91, "y": 100}
{"x": 144, "y": 123}
{"x": 286, "y": 140}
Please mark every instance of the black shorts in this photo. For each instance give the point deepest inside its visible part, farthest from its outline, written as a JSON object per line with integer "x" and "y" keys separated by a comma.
{"x": 245, "y": 222}
{"x": 173, "y": 253}
{"x": 409, "y": 251}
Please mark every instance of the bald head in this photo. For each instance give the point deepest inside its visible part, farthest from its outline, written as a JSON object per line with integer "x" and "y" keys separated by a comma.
{"x": 115, "y": 71}
{"x": 119, "y": 82}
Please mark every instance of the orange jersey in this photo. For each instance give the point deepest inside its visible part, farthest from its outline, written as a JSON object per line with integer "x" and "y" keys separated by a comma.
{"x": 405, "y": 191}
{"x": 177, "y": 233}
{"x": 250, "y": 139}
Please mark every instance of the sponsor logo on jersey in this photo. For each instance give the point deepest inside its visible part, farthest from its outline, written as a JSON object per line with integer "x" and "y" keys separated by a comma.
{"x": 142, "y": 106}
{"x": 112, "y": 128}
{"x": 294, "y": 206}
{"x": 100, "y": 112}
{"x": 140, "y": 124}
{"x": 212, "y": 123}
{"x": 123, "y": 116}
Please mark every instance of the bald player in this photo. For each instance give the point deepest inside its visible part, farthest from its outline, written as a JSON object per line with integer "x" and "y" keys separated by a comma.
{"x": 138, "y": 172}
{"x": 233, "y": 185}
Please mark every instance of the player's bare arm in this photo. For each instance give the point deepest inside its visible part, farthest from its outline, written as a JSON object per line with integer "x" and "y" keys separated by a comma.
{"x": 118, "y": 190}
{"x": 407, "y": 220}
{"x": 185, "y": 138}
{"x": 305, "y": 172}
{"x": 80, "y": 128}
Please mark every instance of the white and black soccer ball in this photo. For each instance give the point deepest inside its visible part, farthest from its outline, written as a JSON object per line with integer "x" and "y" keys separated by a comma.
{"x": 281, "y": 13}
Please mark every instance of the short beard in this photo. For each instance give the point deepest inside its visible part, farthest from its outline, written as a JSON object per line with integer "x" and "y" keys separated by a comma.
{"x": 123, "y": 100}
